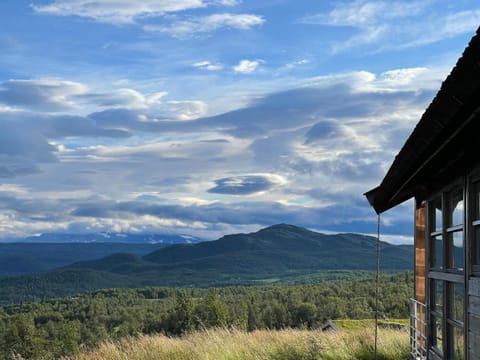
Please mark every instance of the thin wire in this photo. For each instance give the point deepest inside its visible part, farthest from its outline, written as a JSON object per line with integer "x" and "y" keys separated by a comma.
{"x": 377, "y": 281}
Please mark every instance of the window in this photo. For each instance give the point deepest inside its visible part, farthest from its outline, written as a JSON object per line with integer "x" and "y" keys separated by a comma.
{"x": 454, "y": 238}
{"x": 456, "y": 250}
{"x": 436, "y": 314}
{"x": 437, "y": 330}
{"x": 436, "y": 246}
{"x": 437, "y": 214}
{"x": 436, "y": 239}
{"x": 458, "y": 343}
{"x": 437, "y": 304}
{"x": 446, "y": 218}
{"x": 458, "y": 301}
{"x": 476, "y": 227}
{"x": 456, "y": 208}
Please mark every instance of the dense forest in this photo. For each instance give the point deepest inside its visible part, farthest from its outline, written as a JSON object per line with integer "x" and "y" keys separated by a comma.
{"x": 53, "y": 328}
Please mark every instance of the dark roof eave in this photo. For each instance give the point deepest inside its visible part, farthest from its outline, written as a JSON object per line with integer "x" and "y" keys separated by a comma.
{"x": 448, "y": 113}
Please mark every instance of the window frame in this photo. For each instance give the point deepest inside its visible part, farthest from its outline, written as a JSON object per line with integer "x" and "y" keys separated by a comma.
{"x": 448, "y": 274}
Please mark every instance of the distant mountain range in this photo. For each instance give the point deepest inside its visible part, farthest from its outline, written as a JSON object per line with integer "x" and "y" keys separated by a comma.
{"x": 108, "y": 237}
{"x": 277, "y": 252}
{"x": 49, "y": 251}
{"x": 27, "y": 258}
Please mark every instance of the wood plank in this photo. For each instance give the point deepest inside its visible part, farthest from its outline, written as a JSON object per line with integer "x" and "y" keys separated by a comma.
{"x": 474, "y": 305}
{"x": 474, "y": 286}
{"x": 472, "y": 355}
{"x": 474, "y": 345}
{"x": 474, "y": 323}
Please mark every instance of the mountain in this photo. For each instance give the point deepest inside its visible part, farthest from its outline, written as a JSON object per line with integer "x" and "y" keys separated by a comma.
{"x": 27, "y": 258}
{"x": 279, "y": 251}
{"x": 49, "y": 251}
{"x": 108, "y": 237}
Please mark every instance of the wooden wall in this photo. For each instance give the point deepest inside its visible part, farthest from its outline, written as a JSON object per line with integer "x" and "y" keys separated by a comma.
{"x": 474, "y": 318}
{"x": 420, "y": 253}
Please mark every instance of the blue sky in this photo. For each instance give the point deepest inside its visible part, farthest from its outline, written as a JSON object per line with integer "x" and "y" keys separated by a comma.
{"x": 208, "y": 117}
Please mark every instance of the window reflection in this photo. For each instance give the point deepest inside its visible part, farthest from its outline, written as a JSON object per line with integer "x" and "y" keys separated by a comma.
{"x": 437, "y": 329}
{"x": 437, "y": 252}
{"x": 438, "y": 305}
{"x": 458, "y": 344}
{"x": 437, "y": 204}
{"x": 476, "y": 239}
{"x": 458, "y": 302}
{"x": 456, "y": 207}
{"x": 457, "y": 251}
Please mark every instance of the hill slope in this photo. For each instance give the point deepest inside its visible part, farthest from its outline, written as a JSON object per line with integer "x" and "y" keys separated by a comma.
{"x": 279, "y": 251}
{"x": 26, "y": 258}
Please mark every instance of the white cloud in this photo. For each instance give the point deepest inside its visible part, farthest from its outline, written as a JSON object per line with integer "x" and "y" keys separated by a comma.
{"x": 43, "y": 94}
{"x": 393, "y": 25}
{"x": 227, "y": 2}
{"x": 117, "y": 11}
{"x": 187, "y": 110}
{"x": 247, "y": 66}
{"x": 185, "y": 28}
{"x": 369, "y": 35}
{"x": 207, "y": 65}
{"x": 294, "y": 64}
{"x": 442, "y": 27}
{"x": 361, "y": 13}
{"x": 125, "y": 98}
{"x": 247, "y": 184}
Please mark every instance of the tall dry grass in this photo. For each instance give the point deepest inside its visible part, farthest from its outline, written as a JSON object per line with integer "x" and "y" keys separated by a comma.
{"x": 231, "y": 344}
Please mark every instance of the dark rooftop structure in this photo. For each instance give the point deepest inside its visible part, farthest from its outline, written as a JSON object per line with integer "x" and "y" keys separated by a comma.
{"x": 439, "y": 166}
{"x": 329, "y": 326}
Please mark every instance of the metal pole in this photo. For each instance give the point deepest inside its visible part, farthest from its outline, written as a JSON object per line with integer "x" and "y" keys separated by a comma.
{"x": 377, "y": 281}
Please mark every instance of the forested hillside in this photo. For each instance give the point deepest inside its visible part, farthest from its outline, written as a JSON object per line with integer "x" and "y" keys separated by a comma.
{"x": 52, "y": 328}
{"x": 279, "y": 252}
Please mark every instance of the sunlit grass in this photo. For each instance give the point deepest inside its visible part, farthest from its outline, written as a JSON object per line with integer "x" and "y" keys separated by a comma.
{"x": 232, "y": 344}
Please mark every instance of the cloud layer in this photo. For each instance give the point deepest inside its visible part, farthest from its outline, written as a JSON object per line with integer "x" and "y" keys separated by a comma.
{"x": 118, "y": 11}
{"x": 213, "y": 116}
{"x": 393, "y": 25}
{"x": 319, "y": 145}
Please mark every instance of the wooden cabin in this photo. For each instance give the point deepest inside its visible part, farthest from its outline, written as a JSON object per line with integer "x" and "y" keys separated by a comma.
{"x": 439, "y": 166}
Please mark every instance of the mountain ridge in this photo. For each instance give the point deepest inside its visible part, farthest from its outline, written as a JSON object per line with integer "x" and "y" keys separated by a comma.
{"x": 276, "y": 252}
{"x": 107, "y": 237}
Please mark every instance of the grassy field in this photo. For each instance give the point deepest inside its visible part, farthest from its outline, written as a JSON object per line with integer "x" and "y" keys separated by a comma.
{"x": 231, "y": 344}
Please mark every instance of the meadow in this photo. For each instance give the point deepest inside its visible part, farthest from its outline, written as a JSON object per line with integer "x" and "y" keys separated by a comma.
{"x": 233, "y": 344}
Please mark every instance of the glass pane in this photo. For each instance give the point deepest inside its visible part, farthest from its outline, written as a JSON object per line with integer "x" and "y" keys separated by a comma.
{"x": 458, "y": 302}
{"x": 438, "y": 288}
{"x": 437, "y": 332}
{"x": 459, "y": 262}
{"x": 456, "y": 207}
{"x": 457, "y": 251}
{"x": 437, "y": 213}
{"x": 458, "y": 341}
{"x": 436, "y": 254}
{"x": 476, "y": 240}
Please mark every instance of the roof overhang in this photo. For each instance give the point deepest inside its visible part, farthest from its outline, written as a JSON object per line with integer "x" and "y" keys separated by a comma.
{"x": 445, "y": 141}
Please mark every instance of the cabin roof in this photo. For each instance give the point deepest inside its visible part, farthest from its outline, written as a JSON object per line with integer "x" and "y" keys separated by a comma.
{"x": 445, "y": 140}
{"x": 329, "y": 326}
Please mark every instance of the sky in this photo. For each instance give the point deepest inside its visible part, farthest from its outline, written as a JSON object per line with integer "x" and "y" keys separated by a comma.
{"x": 211, "y": 117}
